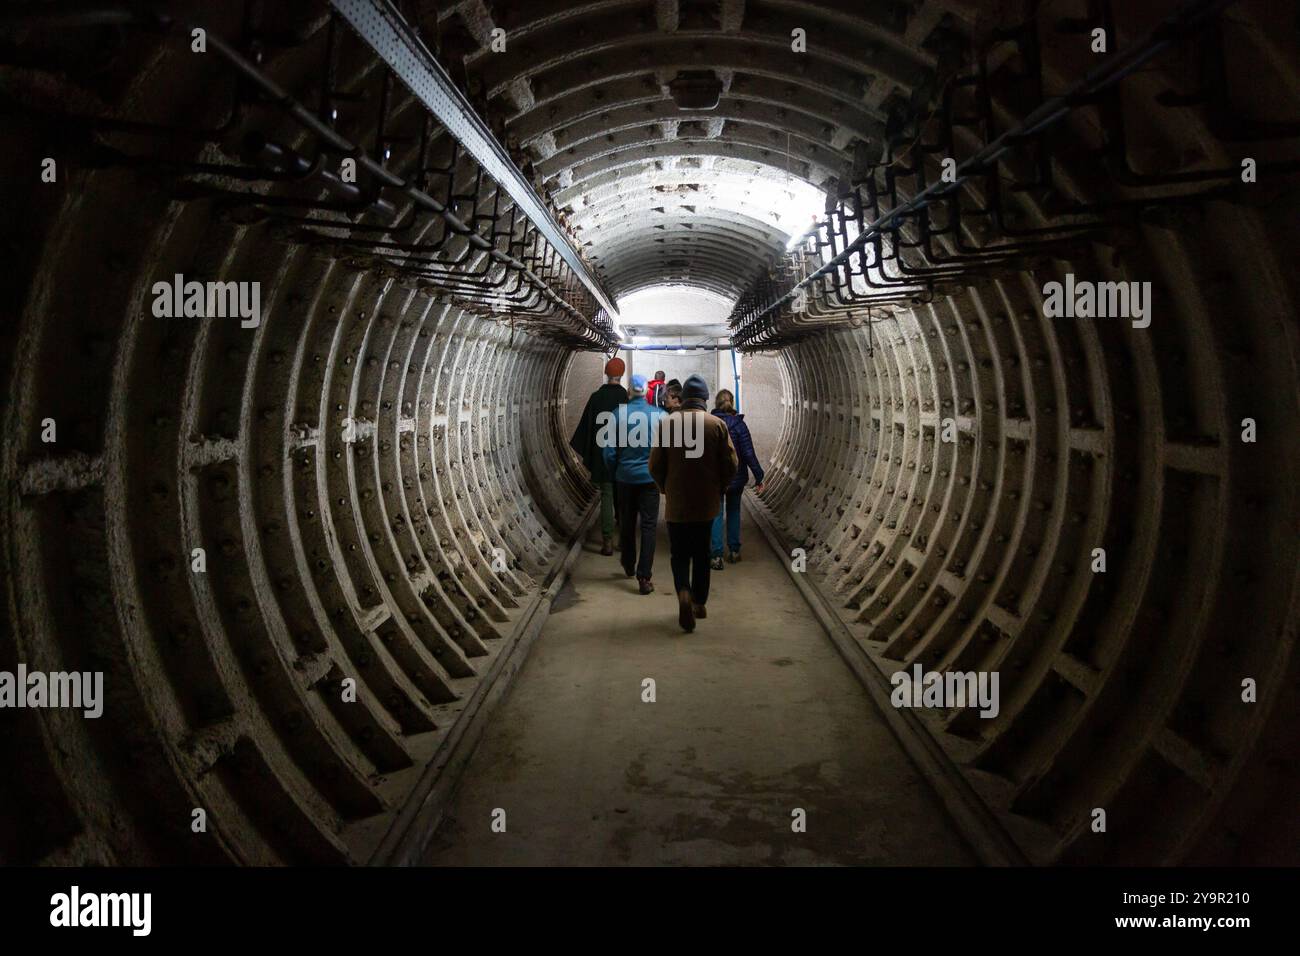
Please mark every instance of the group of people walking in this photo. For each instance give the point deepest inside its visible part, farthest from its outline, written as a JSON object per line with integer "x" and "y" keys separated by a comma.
{"x": 659, "y": 438}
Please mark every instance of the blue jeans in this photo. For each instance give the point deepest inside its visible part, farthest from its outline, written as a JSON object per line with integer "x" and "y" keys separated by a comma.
{"x": 731, "y": 509}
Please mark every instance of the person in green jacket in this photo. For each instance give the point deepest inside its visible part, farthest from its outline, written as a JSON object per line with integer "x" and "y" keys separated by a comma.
{"x": 605, "y": 399}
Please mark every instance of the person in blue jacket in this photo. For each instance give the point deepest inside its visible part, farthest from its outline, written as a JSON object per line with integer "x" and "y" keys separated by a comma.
{"x": 725, "y": 408}
{"x": 627, "y": 458}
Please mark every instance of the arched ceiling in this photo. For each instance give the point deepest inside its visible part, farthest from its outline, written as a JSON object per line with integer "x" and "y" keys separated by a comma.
{"x": 657, "y": 194}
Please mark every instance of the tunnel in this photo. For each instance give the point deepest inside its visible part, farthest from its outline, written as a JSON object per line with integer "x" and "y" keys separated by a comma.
{"x": 304, "y": 300}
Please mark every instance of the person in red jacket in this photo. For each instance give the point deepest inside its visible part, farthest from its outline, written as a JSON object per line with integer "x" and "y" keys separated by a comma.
{"x": 652, "y": 387}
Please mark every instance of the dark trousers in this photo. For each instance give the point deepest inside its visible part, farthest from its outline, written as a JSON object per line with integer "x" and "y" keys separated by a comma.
{"x": 689, "y": 543}
{"x": 638, "y": 505}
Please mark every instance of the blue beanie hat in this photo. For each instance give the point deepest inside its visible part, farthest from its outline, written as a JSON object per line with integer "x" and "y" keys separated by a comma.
{"x": 695, "y": 387}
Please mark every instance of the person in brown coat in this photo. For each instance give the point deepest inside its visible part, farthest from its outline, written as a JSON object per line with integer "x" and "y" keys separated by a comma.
{"x": 692, "y": 462}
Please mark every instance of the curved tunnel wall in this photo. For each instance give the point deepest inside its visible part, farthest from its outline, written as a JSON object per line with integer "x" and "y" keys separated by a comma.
{"x": 325, "y": 558}
{"x": 328, "y": 558}
{"x": 1120, "y": 690}
{"x": 1173, "y": 448}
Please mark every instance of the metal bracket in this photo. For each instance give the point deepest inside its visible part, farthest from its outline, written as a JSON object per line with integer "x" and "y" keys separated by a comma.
{"x": 380, "y": 24}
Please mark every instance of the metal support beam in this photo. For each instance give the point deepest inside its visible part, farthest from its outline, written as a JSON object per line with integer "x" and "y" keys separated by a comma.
{"x": 380, "y": 24}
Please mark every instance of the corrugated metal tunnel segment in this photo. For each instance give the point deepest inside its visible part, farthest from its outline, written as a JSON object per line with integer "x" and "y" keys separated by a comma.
{"x": 1002, "y": 175}
{"x": 412, "y": 202}
{"x": 1121, "y": 689}
{"x": 352, "y": 467}
{"x": 350, "y": 464}
{"x": 586, "y": 90}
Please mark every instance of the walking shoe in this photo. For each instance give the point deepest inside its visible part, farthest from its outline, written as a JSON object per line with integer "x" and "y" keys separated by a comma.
{"x": 685, "y": 613}
{"x": 606, "y": 546}
{"x": 717, "y": 564}
{"x": 734, "y": 557}
{"x": 699, "y": 611}
{"x": 646, "y": 586}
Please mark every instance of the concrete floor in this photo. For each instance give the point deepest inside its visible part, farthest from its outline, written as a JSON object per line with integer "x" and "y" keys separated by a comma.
{"x": 756, "y": 715}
